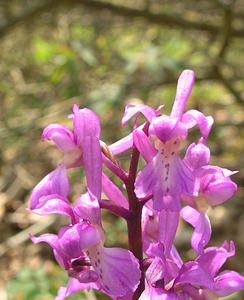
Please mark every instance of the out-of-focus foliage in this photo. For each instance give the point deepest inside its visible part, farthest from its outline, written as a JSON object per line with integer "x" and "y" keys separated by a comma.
{"x": 105, "y": 54}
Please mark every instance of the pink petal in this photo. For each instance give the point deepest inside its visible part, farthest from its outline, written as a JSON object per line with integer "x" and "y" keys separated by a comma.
{"x": 118, "y": 270}
{"x": 56, "y": 182}
{"x": 194, "y": 117}
{"x": 202, "y": 227}
{"x": 197, "y": 155}
{"x": 192, "y": 273}
{"x": 86, "y": 123}
{"x": 132, "y": 110}
{"x": 228, "y": 282}
{"x": 184, "y": 87}
{"x": 144, "y": 145}
{"x": 168, "y": 223}
{"x": 122, "y": 145}
{"x": 88, "y": 209}
{"x": 74, "y": 239}
{"x": 54, "y": 204}
{"x": 74, "y": 286}
{"x": 92, "y": 157}
{"x": 62, "y": 136}
{"x": 213, "y": 258}
{"x": 113, "y": 192}
{"x": 166, "y": 128}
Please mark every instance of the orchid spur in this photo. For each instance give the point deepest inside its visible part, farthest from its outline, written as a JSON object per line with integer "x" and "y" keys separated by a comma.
{"x": 169, "y": 188}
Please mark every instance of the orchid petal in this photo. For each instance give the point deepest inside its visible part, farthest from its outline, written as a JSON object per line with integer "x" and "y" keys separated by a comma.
{"x": 228, "y": 282}
{"x": 184, "y": 87}
{"x": 93, "y": 165}
{"x": 56, "y": 182}
{"x": 52, "y": 241}
{"x": 166, "y": 128}
{"x": 74, "y": 239}
{"x": 192, "y": 273}
{"x": 88, "y": 209}
{"x": 54, "y": 204}
{"x": 156, "y": 271}
{"x": 194, "y": 117}
{"x": 144, "y": 145}
{"x": 73, "y": 287}
{"x": 168, "y": 223}
{"x": 113, "y": 192}
{"x": 175, "y": 256}
{"x": 62, "y": 136}
{"x": 122, "y": 145}
{"x": 220, "y": 192}
{"x": 118, "y": 269}
{"x": 202, "y": 227}
{"x": 215, "y": 186}
{"x": 166, "y": 181}
{"x": 86, "y": 123}
{"x": 213, "y": 258}
{"x": 132, "y": 110}
{"x": 197, "y": 155}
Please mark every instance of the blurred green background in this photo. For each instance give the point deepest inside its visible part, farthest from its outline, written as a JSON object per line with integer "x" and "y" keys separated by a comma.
{"x": 104, "y": 55}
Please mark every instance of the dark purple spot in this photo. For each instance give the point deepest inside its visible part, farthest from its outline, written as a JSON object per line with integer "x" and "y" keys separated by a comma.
{"x": 167, "y": 165}
{"x": 98, "y": 253}
{"x": 99, "y": 260}
{"x": 175, "y": 142}
{"x": 172, "y": 153}
{"x": 95, "y": 263}
{"x": 106, "y": 287}
{"x": 101, "y": 276}
{"x": 166, "y": 178}
{"x": 167, "y": 190}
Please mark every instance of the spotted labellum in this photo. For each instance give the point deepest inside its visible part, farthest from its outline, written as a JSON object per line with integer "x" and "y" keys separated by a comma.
{"x": 173, "y": 185}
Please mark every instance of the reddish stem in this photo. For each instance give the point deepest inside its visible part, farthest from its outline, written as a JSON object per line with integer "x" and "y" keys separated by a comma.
{"x": 115, "y": 209}
{"x": 134, "y": 223}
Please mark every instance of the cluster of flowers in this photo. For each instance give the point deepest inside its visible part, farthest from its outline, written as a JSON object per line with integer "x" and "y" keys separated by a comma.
{"x": 166, "y": 189}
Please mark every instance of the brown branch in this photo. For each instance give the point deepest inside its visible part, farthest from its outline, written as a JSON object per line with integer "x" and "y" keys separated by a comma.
{"x": 163, "y": 19}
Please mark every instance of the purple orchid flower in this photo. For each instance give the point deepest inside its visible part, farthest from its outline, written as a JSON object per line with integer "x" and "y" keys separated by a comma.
{"x": 165, "y": 175}
{"x": 85, "y": 141}
{"x": 80, "y": 146}
{"x": 198, "y": 280}
{"x": 214, "y": 187}
{"x": 79, "y": 249}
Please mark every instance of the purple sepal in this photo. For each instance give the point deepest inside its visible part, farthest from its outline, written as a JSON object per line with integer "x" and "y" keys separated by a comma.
{"x": 113, "y": 192}
{"x": 202, "y": 227}
{"x": 184, "y": 87}
{"x": 144, "y": 145}
{"x": 214, "y": 258}
{"x": 132, "y": 110}
{"x": 74, "y": 239}
{"x": 228, "y": 282}
{"x": 197, "y": 156}
{"x": 166, "y": 128}
{"x": 86, "y": 123}
{"x": 118, "y": 269}
{"x": 54, "y": 204}
{"x": 56, "y": 182}
{"x": 73, "y": 287}
{"x": 194, "y": 117}
{"x": 168, "y": 223}
{"x": 215, "y": 185}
